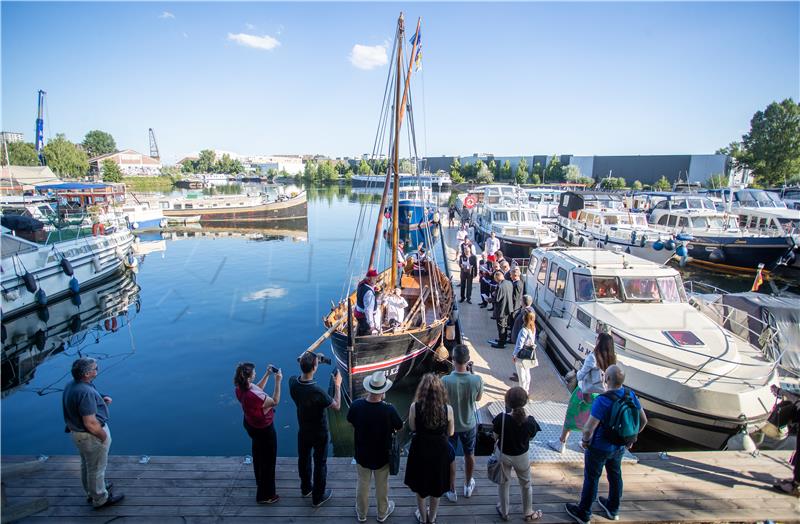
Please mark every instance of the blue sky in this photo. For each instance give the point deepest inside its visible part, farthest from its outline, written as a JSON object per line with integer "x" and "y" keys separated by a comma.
{"x": 517, "y": 78}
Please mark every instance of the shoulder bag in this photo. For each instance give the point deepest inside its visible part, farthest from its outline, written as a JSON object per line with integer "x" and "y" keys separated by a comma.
{"x": 394, "y": 455}
{"x": 494, "y": 470}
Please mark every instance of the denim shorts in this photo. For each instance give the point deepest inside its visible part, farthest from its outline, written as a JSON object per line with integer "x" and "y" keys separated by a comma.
{"x": 467, "y": 439}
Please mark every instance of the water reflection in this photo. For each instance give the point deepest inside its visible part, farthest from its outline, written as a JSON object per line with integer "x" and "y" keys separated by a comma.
{"x": 66, "y": 327}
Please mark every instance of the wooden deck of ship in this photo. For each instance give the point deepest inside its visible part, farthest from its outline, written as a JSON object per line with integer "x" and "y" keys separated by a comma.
{"x": 717, "y": 486}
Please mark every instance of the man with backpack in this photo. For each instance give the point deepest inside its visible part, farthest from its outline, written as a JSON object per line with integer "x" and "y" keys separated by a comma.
{"x": 616, "y": 420}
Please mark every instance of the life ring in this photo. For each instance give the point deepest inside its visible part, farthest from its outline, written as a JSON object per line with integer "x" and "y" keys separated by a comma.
{"x": 470, "y": 202}
{"x": 111, "y": 324}
{"x": 98, "y": 228}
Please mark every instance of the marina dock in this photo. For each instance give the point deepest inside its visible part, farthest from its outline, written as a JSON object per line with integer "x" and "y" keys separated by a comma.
{"x": 716, "y": 486}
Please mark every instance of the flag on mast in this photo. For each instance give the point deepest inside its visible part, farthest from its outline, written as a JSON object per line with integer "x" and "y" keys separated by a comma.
{"x": 417, "y": 40}
{"x": 759, "y": 278}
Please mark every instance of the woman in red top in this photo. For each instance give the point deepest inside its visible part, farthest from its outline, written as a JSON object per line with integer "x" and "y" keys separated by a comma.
{"x": 259, "y": 412}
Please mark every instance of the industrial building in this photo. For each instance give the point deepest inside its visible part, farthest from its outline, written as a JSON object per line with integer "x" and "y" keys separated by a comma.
{"x": 130, "y": 162}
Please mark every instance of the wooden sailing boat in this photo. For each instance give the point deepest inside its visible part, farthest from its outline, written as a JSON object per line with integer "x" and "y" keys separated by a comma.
{"x": 408, "y": 350}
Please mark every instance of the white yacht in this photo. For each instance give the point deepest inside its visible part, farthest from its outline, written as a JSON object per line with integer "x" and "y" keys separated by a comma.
{"x": 519, "y": 228}
{"x": 545, "y": 202}
{"x": 696, "y": 380}
{"x": 39, "y": 265}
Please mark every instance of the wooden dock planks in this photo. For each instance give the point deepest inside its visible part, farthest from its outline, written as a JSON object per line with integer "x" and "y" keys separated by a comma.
{"x": 687, "y": 487}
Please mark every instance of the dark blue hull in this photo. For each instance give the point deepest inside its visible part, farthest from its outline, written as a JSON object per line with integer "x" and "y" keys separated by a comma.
{"x": 739, "y": 252}
{"x": 414, "y": 215}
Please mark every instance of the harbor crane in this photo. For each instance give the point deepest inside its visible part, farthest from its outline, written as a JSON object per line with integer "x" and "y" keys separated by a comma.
{"x": 153, "y": 145}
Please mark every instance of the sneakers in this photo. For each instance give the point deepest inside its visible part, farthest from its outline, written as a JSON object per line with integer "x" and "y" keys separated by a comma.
{"x": 603, "y": 503}
{"x": 557, "y": 445}
{"x": 111, "y": 500}
{"x": 271, "y": 500}
{"x": 469, "y": 488}
{"x": 360, "y": 518}
{"x": 306, "y": 495}
{"x": 325, "y": 498}
{"x": 110, "y": 485}
{"x": 389, "y": 512}
{"x": 575, "y": 512}
{"x": 452, "y": 496}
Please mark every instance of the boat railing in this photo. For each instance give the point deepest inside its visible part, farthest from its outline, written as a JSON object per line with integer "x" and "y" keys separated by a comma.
{"x": 570, "y": 315}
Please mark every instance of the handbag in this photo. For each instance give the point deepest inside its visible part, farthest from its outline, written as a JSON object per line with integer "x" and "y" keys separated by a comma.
{"x": 527, "y": 353}
{"x": 394, "y": 455}
{"x": 782, "y": 414}
{"x": 494, "y": 470}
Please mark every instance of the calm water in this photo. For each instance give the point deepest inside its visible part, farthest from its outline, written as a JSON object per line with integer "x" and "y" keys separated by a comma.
{"x": 203, "y": 305}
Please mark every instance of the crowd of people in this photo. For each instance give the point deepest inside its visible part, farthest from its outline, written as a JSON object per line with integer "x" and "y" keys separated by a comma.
{"x": 442, "y": 417}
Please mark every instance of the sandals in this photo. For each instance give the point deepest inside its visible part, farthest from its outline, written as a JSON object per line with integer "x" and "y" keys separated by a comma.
{"x": 420, "y": 520}
{"x": 536, "y": 515}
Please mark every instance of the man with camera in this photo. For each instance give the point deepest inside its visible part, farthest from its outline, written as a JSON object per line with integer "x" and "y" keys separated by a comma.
{"x": 312, "y": 419}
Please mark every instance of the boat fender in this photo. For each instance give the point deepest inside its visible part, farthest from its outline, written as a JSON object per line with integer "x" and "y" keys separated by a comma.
{"x": 40, "y": 339}
{"x": 97, "y": 264}
{"x": 441, "y": 353}
{"x": 582, "y": 242}
{"x": 716, "y": 256}
{"x": 571, "y": 238}
{"x": 633, "y": 237}
{"x": 741, "y": 441}
{"x": 628, "y": 250}
{"x": 66, "y": 267}
{"x": 450, "y": 332}
{"x": 41, "y": 297}
{"x": 43, "y": 313}
{"x": 110, "y": 324}
{"x": 30, "y": 282}
{"x": 658, "y": 245}
{"x": 683, "y": 261}
{"x": 600, "y": 244}
{"x": 436, "y": 217}
{"x": 163, "y": 223}
{"x": 685, "y": 237}
{"x": 682, "y": 251}
{"x": 643, "y": 241}
{"x": 98, "y": 229}
{"x": 606, "y": 238}
{"x": 669, "y": 245}
{"x": 75, "y": 323}
{"x": 74, "y": 285}
{"x": 76, "y": 299}
{"x": 138, "y": 306}
{"x": 130, "y": 261}
{"x": 135, "y": 225}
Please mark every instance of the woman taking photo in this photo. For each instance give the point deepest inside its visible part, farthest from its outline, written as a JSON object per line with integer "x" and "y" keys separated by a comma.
{"x": 524, "y": 355}
{"x": 259, "y": 413}
{"x": 590, "y": 384}
{"x": 430, "y": 453}
{"x": 514, "y": 432}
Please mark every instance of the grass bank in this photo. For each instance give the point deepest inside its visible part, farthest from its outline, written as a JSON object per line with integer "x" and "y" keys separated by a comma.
{"x": 150, "y": 183}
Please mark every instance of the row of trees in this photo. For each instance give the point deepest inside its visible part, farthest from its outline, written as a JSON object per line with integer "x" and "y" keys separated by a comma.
{"x": 207, "y": 163}
{"x": 483, "y": 173}
{"x": 771, "y": 149}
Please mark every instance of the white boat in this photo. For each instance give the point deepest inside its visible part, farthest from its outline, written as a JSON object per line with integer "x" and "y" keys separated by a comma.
{"x": 697, "y": 381}
{"x": 506, "y": 213}
{"x": 545, "y": 202}
{"x": 142, "y": 216}
{"x": 40, "y": 265}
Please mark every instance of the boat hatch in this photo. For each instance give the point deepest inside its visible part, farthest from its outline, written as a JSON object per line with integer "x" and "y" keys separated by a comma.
{"x": 683, "y": 338}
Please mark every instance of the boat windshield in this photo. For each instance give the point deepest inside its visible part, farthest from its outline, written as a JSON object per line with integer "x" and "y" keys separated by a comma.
{"x": 758, "y": 198}
{"x": 710, "y": 221}
{"x": 589, "y": 288}
{"x": 641, "y": 289}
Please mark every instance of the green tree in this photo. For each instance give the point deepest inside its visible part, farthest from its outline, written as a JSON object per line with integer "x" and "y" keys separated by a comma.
{"x": 612, "y": 183}
{"x": 468, "y": 171}
{"x": 716, "y": 181}
{"x": 21, "y": 154}
{"x": 406, "y": 166}
{"x": 97, "y": 143}
{"x": 64, "y": 157}
{"x": 310, "y": 171}
{"x": 482, "y": 174}
{"x": 363, "y": 168}
{"x": 326, "y": 173}
{"x": 662, "y": 184}
{"x": 455, "y": 171}
{"x": 554, "y": 171}
{"x": 636, "y": 186}
{"x": 538, "y": 170}
{"x": 521, "y": 175}
{"x": 110, "y": 171}
{"x": 206, "y": 163}
{"x": 772, "y": 147}
{"x": 347, "y": 175}
{"x": 572, "y": 173}
{"x": 534, "y": 179}
{"x": 505, "y": 171}
{"x": 494, "y": 169}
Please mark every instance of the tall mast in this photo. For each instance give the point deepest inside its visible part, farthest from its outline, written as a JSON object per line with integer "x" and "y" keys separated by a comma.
{"x": 40, "y": 129}
{"x": 396, "y": 150}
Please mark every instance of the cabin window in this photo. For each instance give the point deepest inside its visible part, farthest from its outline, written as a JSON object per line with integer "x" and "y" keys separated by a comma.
{"x": 695, "y": 204}
{"x": 641, "y": 289}
{"x": 700, "y": 222}
{"x": 743, "y": 220}
{"x": 584, "y": 318}
{"x": 561, "y": 283}
{"x": 188, "y": 206}
{"x": 669, "y": 289}
{"x": 662, "y": 205}
{"x": 611, "y": 219}
{"x": 762, "y": 222}
{"x": 551, "y": 279}
{"x": 606, "y": 288}
{"x": 662, "y": 221}
{"x": 177, "y": 206}
{"x": 500, "y": 216}
{"x": 532, "y": 264}
{"x": 542, "y": 272}
{"x": 584, "y": 289}
{"x": 672, "y": 221}
{"x": 683, "y": 222}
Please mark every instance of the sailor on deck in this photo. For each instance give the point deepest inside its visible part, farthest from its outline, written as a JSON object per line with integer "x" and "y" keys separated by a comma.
{"x": 401, "y": 261}
{"x": 365, "y": 305}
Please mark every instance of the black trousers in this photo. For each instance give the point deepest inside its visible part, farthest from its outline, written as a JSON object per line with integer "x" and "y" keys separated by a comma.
{"x": 316, "y": 444}
{"x": 502, "y": 329}
{"x": 265, "y": 451}
{"x": 485, "y": 290}
{"x": 796, "y": 462}
{"x": 466, "y": 285}
{"x": 363, "y": 327}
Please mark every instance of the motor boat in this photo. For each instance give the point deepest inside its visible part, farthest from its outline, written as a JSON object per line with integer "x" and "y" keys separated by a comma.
{"x": 697, "y": 381}
{"x": 545, "y": 202}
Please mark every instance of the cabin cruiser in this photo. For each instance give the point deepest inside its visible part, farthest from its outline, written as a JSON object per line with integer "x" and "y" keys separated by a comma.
{"x": 519, "y": 228}
{"x": 235, "y": 208}
{"x": 696, "y": 380}
{"x": 545, "y": 202}
{"x": 41, "y": 264}
{"x": 416, "y": 209}
{"x": 142, "y": 216}
{"x": 599, "y": 220}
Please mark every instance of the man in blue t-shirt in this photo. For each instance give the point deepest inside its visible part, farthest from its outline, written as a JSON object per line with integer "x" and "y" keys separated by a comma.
{"x": 601, "y": 452}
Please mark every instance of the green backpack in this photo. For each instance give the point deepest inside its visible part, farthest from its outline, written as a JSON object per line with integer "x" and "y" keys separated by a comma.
{"x": 622, "y": 419}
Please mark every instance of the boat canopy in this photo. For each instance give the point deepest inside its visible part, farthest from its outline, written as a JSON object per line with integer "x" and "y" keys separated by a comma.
{"x": 70, "y": 186}
{"x": 571, "y": 201}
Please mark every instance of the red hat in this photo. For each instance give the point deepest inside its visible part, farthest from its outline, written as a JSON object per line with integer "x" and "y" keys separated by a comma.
{"x": 372, "y": 273}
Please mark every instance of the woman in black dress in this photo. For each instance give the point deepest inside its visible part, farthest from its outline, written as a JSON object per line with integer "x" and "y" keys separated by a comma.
{"x": 430, "y": 454}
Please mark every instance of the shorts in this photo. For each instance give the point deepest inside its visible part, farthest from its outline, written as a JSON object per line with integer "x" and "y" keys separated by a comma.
{"x": 491, "y": 258}
{"x": 467, "y": 439}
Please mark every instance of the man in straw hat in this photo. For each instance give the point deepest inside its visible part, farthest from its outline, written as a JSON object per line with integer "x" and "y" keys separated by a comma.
{"x": 374, "y": 422}
{"x": 366, "y": 304}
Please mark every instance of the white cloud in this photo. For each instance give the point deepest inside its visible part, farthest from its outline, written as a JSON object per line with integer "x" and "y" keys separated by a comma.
{"x": 267, "y": 292}
{"x": 368, "y": 57}
{"x": 166, "y": 14}
{"x": 257, "y": 42}
{"x": 249, "y": 27}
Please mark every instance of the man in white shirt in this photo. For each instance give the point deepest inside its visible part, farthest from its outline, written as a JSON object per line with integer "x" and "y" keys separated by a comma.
{"x": 492, "y": 246}
{"x": 395, "y": 307}
{"x": 365, "y": 304}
